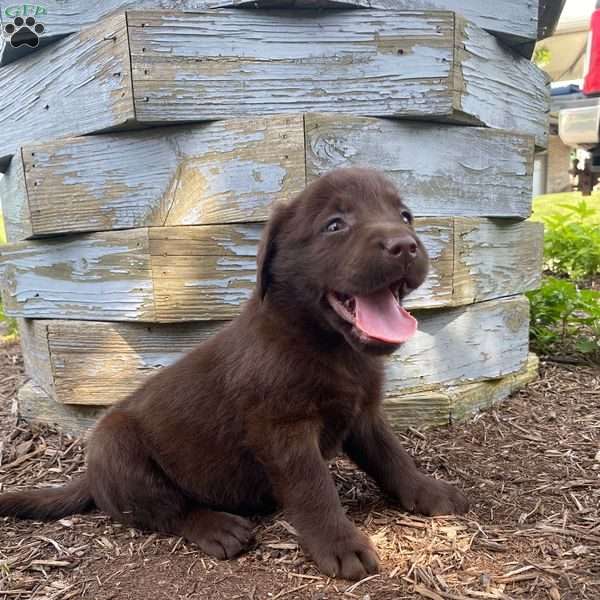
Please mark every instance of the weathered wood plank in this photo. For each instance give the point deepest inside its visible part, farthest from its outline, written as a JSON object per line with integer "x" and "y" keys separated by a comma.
{"x": 61, "y": 18}
{"x": 238, "y": 62}
{"x": 104, "y": 274}
{"x": 206, "y": 272}
{"x": 493, "y": 94}
{"x": 403, "y": 66}
{"x": 216, "y": 286}
{"x": 226, "y": 171}
{"x": 414, "y": 409}
{"x": 470, "y": 399}
{"x": 37, "y": 406}
{"x": 452, "y": 403}
{"x": 233, "y": 171}
{"x": 149, "y": 68}
{"x": 441, "y": 170}
{"x": 495, "y": 255}
{"x": 33, "y": 337}
{"x": 15, "y": 204}
{"x": 98, "y": 363}
{"x": 479, "y": 341}
{"x": 187, "y": 273}
{"x": 80, "y": 84}
{"x": 514, "y": 21}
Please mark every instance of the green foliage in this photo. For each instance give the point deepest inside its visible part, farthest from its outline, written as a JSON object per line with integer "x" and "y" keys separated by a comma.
{"x": 550, "y": 205}
{"x": 571, "y": 245}
{"x": 541, "y": 57}
{"x": 10, "y": 332}
{"x": 565, "y": 316}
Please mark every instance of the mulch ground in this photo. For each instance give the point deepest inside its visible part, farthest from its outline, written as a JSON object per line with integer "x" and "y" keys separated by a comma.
{"x": 531, "y": 467}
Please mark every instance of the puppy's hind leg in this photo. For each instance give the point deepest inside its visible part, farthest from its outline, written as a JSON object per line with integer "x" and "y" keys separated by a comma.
{"x": 129, "y": 485}
{"x": 219, "y": 534}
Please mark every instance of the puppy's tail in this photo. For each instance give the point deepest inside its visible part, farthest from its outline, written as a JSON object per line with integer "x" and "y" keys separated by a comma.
{"x": 48, "y": 503}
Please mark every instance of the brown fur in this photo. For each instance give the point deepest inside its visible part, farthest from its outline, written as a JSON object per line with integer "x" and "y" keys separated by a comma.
{"x": 246, "y": 421}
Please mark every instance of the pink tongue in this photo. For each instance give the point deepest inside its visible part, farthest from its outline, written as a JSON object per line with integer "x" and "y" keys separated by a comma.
{"x": 381, "y": 317}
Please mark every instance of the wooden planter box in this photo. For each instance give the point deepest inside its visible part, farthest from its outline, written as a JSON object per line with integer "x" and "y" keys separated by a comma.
{"x": 99, "y": 363}
{"x": 440, "y": 405}
{"x": 131, "y": 245}
{"x": 148, "y": 68}
{"x": 188, "y": 273}
{"x": 233, "y": 171}
{"x": 514, "y": 21}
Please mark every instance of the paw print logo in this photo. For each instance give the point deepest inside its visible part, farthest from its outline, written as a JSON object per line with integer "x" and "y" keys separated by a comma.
{"x": 24, "y": 32}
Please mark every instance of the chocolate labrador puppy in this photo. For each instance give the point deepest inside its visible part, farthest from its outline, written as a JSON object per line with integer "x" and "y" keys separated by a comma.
{"x": 247, "y": 421}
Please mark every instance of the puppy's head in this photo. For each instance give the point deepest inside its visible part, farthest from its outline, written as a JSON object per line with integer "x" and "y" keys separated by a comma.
{"x": 345, "y": 252}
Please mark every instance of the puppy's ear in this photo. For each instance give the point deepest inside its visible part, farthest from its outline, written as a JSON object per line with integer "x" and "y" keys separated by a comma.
{"x": 268, "y": 247}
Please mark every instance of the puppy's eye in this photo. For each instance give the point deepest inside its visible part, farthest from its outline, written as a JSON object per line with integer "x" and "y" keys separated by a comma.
{"x": 334, "y": 225}
{"x": 406, "y": 217}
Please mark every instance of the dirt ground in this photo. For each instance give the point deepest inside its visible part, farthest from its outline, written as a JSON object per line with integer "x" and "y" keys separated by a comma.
{"x": 531, "y": 467}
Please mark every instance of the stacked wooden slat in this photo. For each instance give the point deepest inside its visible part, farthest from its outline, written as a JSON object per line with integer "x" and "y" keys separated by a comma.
{"x": 132, "y": 244}
{"x": 515, "y": 22}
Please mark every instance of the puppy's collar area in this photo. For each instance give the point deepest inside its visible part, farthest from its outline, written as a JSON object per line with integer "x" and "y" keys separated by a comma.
{"x": 377, "y": 316}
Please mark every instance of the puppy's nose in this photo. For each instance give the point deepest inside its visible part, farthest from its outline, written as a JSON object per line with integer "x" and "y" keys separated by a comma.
{"x": 404, "y": 245}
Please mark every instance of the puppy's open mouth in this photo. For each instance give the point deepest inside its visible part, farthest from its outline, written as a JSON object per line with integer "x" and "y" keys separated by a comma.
{"x": 376, "y": 316}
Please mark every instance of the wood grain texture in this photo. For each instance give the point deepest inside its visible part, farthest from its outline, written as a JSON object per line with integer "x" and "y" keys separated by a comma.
{"x": 495, "y": 95}
{"x": 33, "y": 337}
{"x": 495, "y": 255}
{"x": 217, "y": 64}
{"x": 208, "y": 65}
{"x": 453, "y": 403}
{"x": 15, "y": 204}
{"x": 191, "y": 273}
{"x": 220, "y": 172}
{"x": 78, "y": 85}
{"x": 35, "y": 405}
{"x": 235, "y": 170}
{"x": 207, "y": 272}
{"x": 441, "y": 170}
{"x": 62, "y": 18}
{"x": 105, "y": 274}
{"x": 467, "y": 400}
{"x": 406, "y": 65}
{"x": 513, "y": 20}
{"x": 479, "y": 341}
{"x": 98, "y": 363}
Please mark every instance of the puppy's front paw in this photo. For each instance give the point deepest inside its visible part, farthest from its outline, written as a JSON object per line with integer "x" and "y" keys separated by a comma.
{"x": 433, "y": 497}
{"x": 348, "y": 557}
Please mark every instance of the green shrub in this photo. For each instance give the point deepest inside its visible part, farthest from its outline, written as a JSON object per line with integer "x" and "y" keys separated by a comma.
{"x": 11, "y": 331}
{"x": 572, "y": 245}
{"x": 565, "y": 318}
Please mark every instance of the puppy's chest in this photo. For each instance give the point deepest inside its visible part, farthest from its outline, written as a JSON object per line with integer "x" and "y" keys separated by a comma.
{"x": 344, "y": 394}
{"x": 337, "y": 419}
